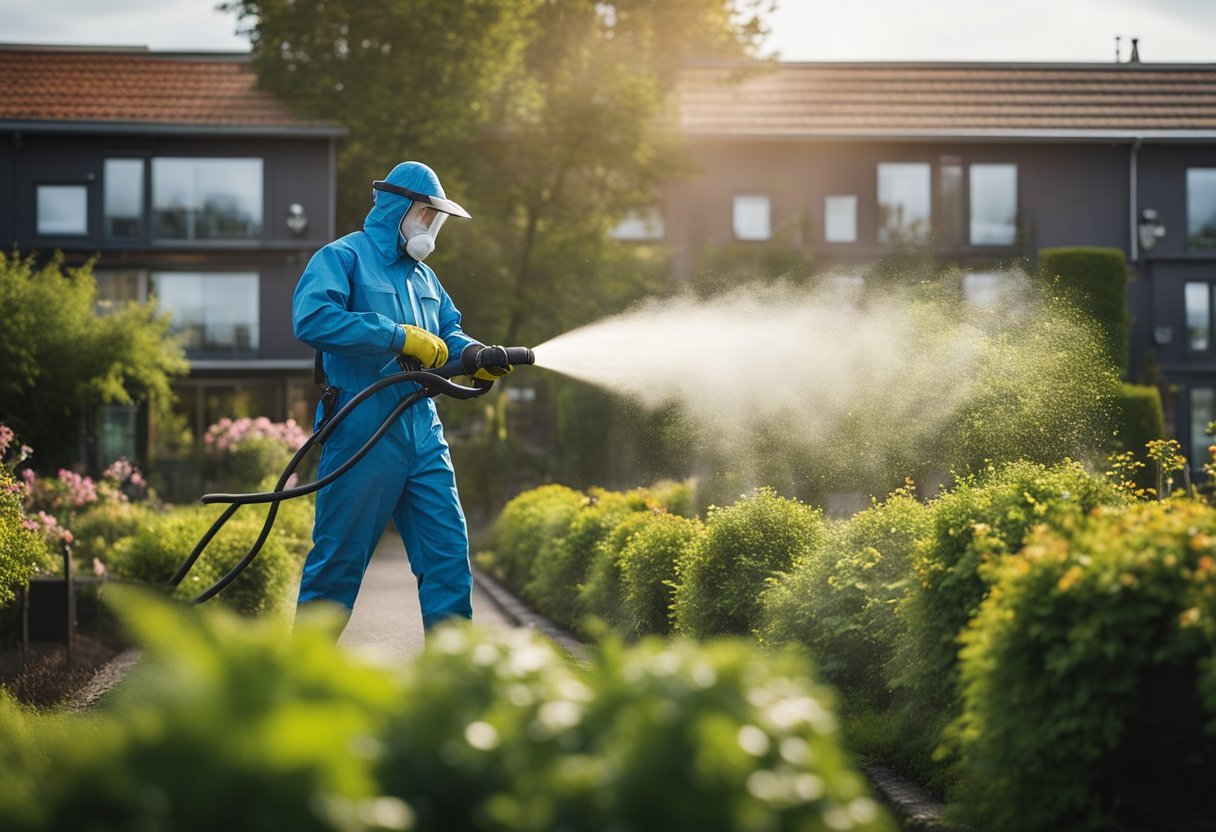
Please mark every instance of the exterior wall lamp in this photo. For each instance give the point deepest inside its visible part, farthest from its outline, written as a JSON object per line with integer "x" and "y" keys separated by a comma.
{"x": 297, "y": 220}
{"x": 1151, "y": 229}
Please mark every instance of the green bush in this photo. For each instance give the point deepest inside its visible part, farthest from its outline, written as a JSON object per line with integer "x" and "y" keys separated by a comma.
{"x": 676, "y": 497}
{"x": 1087, "y": 676}
{"x": 648, "y": 570}
{"x": 22, "y": 551}
{"x": 602, "y": 595}
{"x": 665, "y": 735}
{"x": 528, "y": 524}
{"x": 1140, "y": 421}
{"x": 153, "y": 554}
{"x": 99, "y": 527}
{"x": 744, "y": 546}
{"x": 981, "y": 520}
{"x": 842, "y": 600}
{"x": 560, "y": 568}
{"x": 1095, "y": 280}
{"x": 228, "y": 723}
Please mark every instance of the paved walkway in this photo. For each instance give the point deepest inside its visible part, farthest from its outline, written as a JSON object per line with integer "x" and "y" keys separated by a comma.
{"x": 386, "y": 625}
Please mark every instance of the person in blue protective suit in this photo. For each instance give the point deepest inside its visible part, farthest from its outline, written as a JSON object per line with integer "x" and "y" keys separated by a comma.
{"x": 368, "y": 304}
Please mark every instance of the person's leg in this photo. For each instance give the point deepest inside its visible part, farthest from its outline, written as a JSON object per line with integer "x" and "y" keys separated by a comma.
{"x": 351, "y": 514}
{"x": 432, "y": 526}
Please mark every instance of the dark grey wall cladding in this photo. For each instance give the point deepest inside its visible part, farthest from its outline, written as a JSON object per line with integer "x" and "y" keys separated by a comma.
{"x": 277, "y": 287}
{"x": 6, "y": 190}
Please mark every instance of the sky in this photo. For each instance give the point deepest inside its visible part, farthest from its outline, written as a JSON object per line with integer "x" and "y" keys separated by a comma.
{"x": 806, "y": 30}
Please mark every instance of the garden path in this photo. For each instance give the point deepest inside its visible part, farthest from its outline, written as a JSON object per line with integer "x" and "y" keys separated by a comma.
{"x": 386, "y": 625}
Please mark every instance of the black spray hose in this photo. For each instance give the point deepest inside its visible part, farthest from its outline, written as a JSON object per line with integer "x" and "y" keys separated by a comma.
{"x": 433, "y": 382}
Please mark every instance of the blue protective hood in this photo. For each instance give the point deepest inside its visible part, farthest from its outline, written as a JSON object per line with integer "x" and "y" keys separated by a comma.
{"x": 383, "y": 220}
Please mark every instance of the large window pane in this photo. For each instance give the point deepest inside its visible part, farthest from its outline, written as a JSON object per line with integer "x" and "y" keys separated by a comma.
{"x": 207, "y": 199}
{"x": 1203, "y": 410}
{"x": 118, "y": 287}
{"x": 994, "y": 205}
{"x": 1201, "y": 208}
{"x": 840, "y": 219}
{"x": 1198, "y": 316}
{"x": 752, "y": 218}
{"x": 63, "y": 210}
{"x": 212, "y": 313}
{"x": 123, "y": 214}
{"x": 903, "y": 202}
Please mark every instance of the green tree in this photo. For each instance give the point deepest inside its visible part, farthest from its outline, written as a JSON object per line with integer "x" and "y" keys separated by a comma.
{"x": 550, "y": 121}
{"x": 62, "y": 360}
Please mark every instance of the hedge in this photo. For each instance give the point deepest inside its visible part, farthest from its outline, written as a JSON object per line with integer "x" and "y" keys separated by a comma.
{"x": 745, "y": 545}
{"x": 1095, "y": 280}
{"x": 1088, "y": 683}
{"x": 529, "y": 523}
{"x": 842, "y": 600}
{"x": 648, "y": 571}
{"x": 227, "y": 723}
{"x": 1140, "y": 421}
{"x": 983, "y": 519}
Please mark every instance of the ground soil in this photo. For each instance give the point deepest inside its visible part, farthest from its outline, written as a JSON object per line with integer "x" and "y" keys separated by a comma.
{"x": 40, "y": 676}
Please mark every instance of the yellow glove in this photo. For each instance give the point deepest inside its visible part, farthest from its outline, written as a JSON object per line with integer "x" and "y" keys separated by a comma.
{"x": 489, "y": 362}
{"x": 425, "y": 346}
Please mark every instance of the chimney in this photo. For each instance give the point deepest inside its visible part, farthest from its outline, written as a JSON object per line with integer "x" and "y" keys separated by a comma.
{"x": 1135, "y": 58}
{"x": 1118, "y": 49}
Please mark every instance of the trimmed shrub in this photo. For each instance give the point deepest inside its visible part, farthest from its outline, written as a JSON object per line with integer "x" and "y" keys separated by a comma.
{"x": 842, "y": 600}
{"x": 1095, "y": 280}
{"x": 744, "y": 546}
{"x": 529, "y": 523}
{"x": 559, "y": 569}
{"x": 648, "y": 570}
{"x": 153, "y": 554}
{"x": 1141, "y": 420}
{"x": 229, "y": 722}
{"x": 103, "y": 524}
{"x": 603, "y": 593}
{"x": 677, "y": 497}
{"x": 1087, "y": 676}
{"x": 981, "y": 520}
{"x": 23, "y": 551}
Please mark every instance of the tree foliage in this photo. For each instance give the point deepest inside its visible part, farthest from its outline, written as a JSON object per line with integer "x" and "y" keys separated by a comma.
{"x": 550, "y": 121}
{"x": 62, "y": 360}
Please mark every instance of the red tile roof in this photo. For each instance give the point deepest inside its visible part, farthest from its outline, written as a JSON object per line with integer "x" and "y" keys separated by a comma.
{"x": 900, "y": 99}
{"x": 134, "y": 86}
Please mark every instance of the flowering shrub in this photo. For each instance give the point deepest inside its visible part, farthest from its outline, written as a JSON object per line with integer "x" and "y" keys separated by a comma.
{"x": 1088, "y": 676}
{"x": 241, "y": 452}
{"x": 23, "y": 549}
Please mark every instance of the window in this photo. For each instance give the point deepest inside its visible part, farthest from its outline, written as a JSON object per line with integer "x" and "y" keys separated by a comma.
{"x": 1198, "y": 316}
{"x": 1201, "y": 209}
{"x": 118, "y": 287}
{"x": 1203, "y": 410}
{"x": 63, "y": 210}
{"x": 903, "y": 202}
{"x": 994, "y": 205}
{"x": 116, "y": 439}
{"x": 840, "y": 219}
{"x": 206, "y": 199}
{"x": 640, "y": 226}
{"x": 986, "y": 289}
{"x": 123, "y": 209}
{"x": 752, "y": 218}
{"x": 212, "y": 313}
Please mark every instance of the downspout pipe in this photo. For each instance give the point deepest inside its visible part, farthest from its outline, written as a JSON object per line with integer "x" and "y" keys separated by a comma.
{"x": 1133, "y": 198}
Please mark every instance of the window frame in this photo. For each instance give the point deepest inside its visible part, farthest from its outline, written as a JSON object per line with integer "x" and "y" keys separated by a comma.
{"x": 1190, "y": 244}
{"x": 881, "y": 227}
{"x": 1013, "y": 242}
{"x": 202, "y": 352}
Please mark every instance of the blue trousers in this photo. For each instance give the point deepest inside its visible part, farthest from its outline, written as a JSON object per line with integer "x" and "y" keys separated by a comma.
{"x": 407, "y": 476}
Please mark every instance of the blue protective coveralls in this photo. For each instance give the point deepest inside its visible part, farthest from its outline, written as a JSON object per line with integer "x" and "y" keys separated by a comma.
{"x": 348, "y": 304}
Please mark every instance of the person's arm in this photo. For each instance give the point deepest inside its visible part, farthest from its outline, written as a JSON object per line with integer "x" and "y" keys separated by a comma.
{"x": 449, "y": 325}
{"x": 321, "y": 317}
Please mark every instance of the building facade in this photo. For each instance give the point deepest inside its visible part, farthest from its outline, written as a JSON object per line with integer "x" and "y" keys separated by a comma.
{"x": 984, "y": 164}
{"x": 187, "y": 184}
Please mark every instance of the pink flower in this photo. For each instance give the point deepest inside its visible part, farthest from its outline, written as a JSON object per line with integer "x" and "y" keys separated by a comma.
{"x": 99, "y": 569}
{"x": 6, "y": 438}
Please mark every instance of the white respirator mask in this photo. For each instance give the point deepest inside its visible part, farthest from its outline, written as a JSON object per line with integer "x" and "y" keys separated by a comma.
{"x": 418, "y": 229}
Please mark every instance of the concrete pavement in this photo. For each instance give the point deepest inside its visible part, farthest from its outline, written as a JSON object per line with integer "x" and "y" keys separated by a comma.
{"x": 386, "y": 625}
